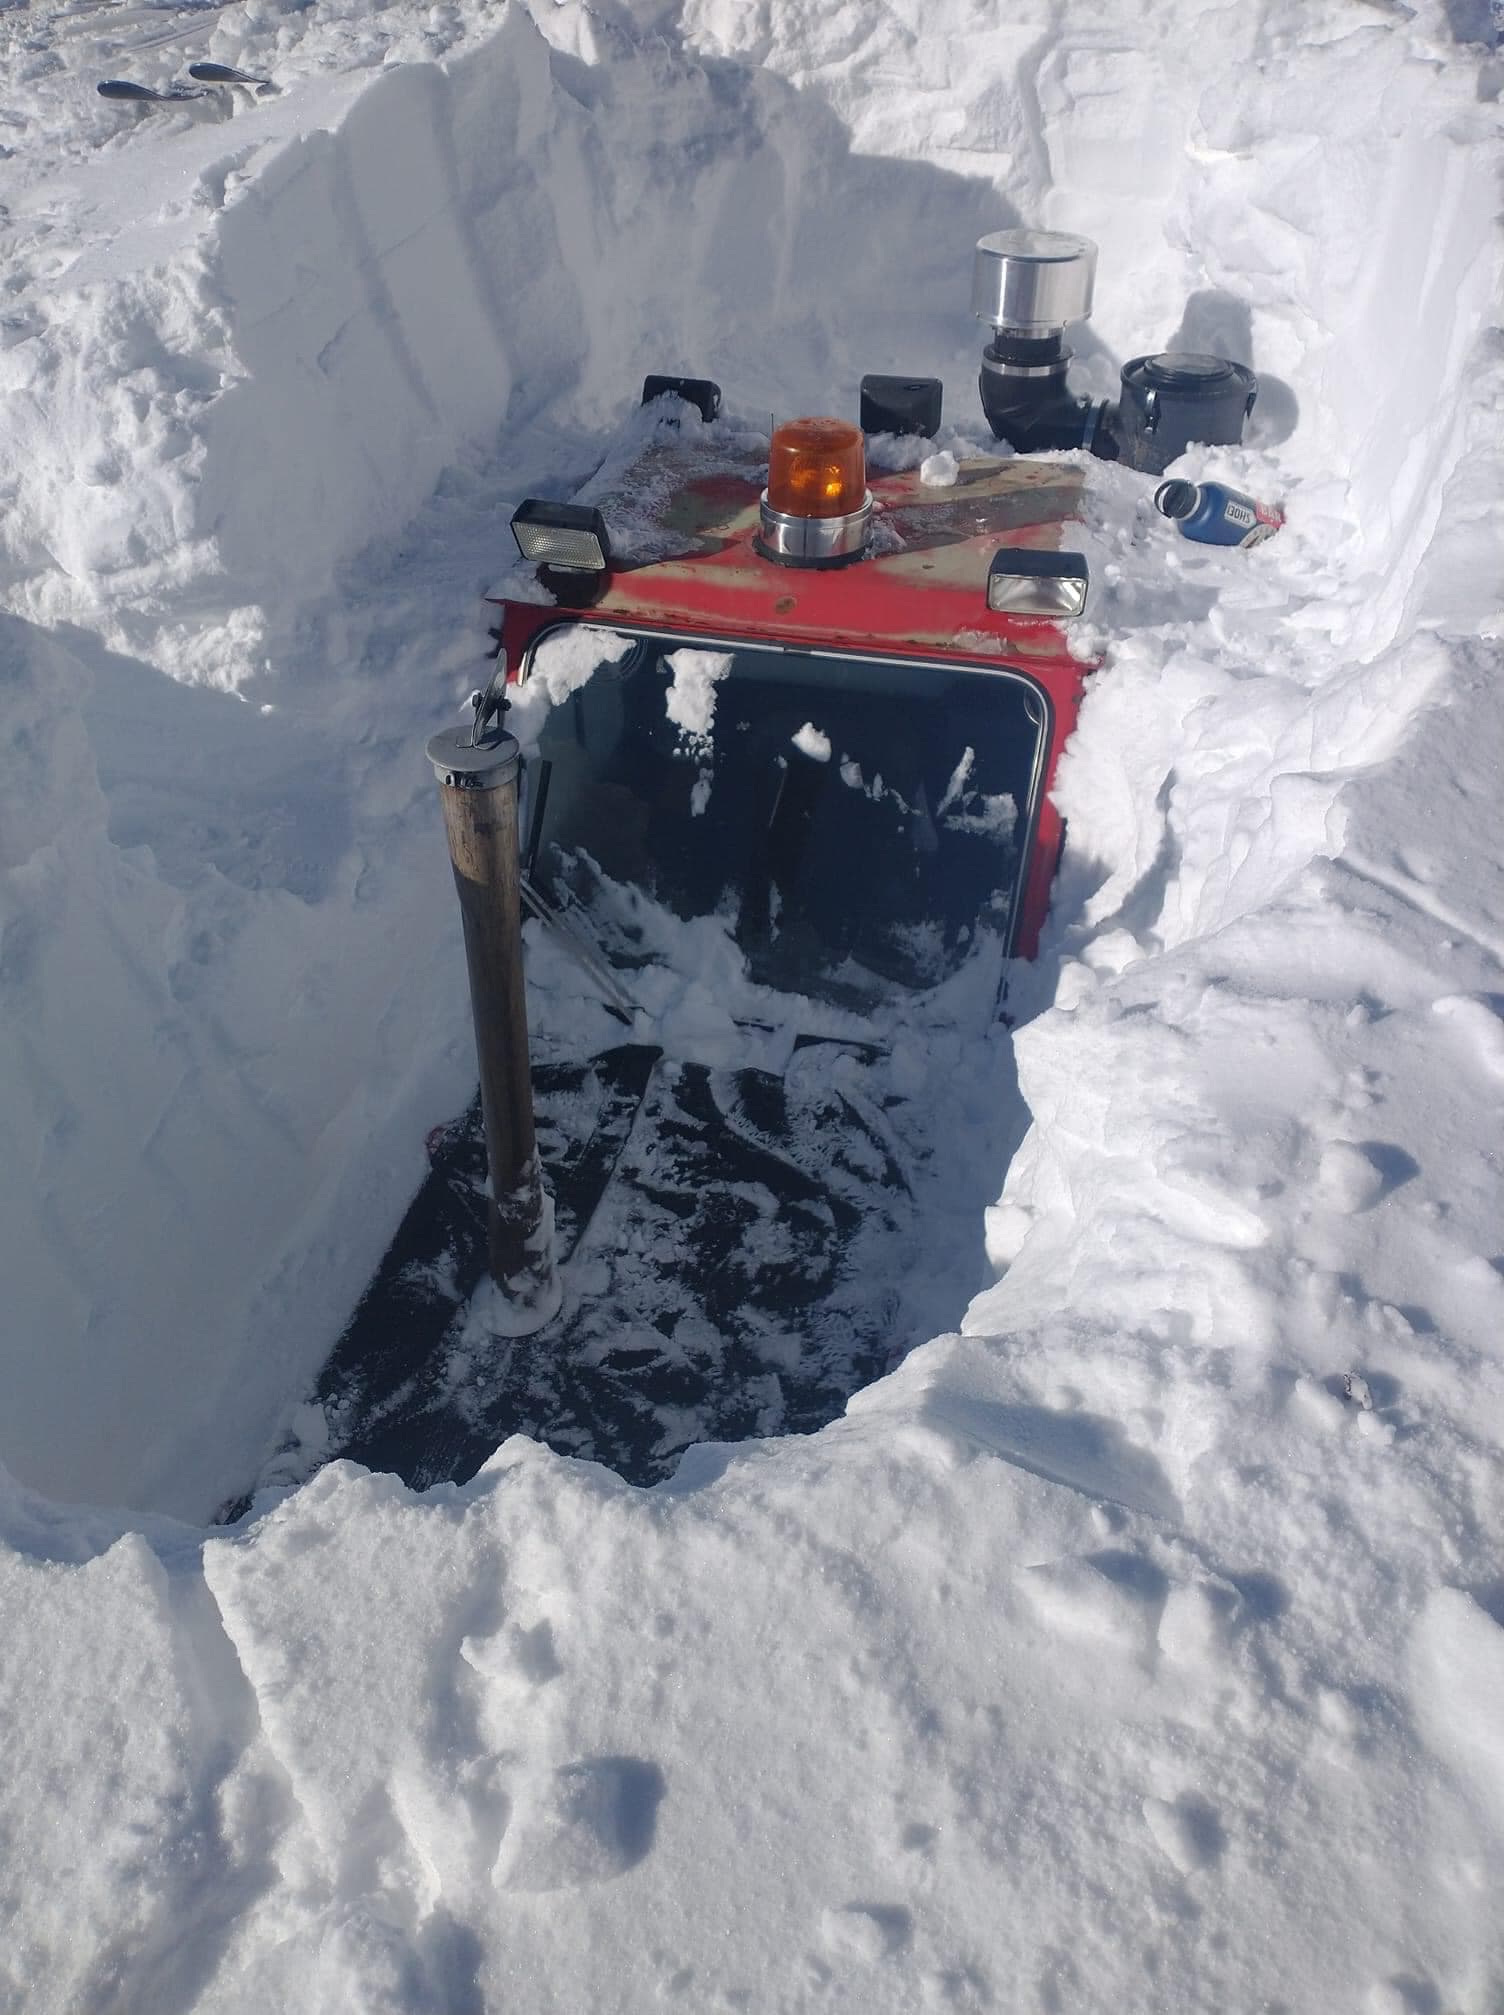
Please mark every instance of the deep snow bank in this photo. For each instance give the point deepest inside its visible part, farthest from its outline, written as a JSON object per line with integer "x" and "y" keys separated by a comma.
{"x": 1138, "y": 1643}
{"x": 247, "y": 354}
{"x": 254, "y": 350}
{"x": 245, "y": 350}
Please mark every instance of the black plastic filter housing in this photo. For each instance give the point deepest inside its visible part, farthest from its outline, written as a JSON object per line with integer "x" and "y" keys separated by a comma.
{"x": 1178, "y": 397}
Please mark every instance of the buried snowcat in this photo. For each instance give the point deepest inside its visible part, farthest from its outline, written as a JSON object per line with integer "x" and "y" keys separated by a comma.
{"x": 766, "y": 758}
{"x": 766, "y": 761}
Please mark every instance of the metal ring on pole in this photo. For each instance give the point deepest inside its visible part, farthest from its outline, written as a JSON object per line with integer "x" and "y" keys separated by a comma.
{"x": 479, "y": 766}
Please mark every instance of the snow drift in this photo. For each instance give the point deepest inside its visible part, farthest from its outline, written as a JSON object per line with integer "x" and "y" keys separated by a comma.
{"x": 1138, "y": 1641}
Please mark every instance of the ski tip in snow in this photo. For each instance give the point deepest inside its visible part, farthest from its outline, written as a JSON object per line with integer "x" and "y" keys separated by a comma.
{"x": 145, "y": 94}
{"x": 226, "y": 73}
{"x": 207, "y": 77}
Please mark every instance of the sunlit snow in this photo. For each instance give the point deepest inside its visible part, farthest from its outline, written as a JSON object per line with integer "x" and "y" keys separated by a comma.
{"x": 1138, "y": 1642}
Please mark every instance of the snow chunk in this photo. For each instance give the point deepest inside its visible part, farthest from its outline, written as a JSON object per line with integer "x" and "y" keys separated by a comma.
{"x": 810, "y": 742}
{"x": 565, "y": 660}
{"x": 891, "y": 452}
{"x": 1320, "y": 1408}
{"x": 1350, "y": 1180}
{"x": 1479, "y": 1026}
{"x": 690, "y": 700}
{"x": 1356, "y": 1388}
{"x": 991, "y": 816}
{"x": 569, "y": 657}
{"x": 939, "y": 471}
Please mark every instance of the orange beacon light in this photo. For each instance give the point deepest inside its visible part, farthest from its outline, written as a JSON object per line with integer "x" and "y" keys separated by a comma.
{"x": 817, "y": 469}
{"x": 816, "y": 508}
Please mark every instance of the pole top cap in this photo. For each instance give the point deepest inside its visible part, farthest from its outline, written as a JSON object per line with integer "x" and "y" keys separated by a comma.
{"x": 474, "y": 766}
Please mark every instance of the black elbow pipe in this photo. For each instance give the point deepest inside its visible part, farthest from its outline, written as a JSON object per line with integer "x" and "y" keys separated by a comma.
{"x": 1025, "y": 399}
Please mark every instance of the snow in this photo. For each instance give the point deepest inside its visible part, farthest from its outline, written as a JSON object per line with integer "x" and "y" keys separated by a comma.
{"x": 1139, "y": 1639}
{"x": 564, "y": 661}
{"x": 690, "y": 699}
{"x": 811, "y": 742}
{"x": 974, "y": 811}
{"x": 689, "y": 703}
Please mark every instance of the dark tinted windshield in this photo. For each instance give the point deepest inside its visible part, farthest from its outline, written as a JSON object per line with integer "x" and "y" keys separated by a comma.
{"x": 848, "y": 818}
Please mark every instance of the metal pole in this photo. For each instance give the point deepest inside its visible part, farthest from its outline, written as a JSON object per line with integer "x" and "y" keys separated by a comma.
{"x": 478, "y": 789}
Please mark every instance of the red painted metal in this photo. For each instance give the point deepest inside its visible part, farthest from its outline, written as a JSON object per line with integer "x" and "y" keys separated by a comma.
{"x": 921, "y": 592}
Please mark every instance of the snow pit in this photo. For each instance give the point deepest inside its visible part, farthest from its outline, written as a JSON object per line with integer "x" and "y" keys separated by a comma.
{"x": 1141, "y": 1659}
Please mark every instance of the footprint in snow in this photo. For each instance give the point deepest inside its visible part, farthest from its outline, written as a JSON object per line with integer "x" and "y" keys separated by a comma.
{"x": 514, "y": 1656}
{"x": 1197, "y": 1624}
{"x": 1187, "y": 1832}
{"x": 585, "y": 1823}
{"x": 1403, "y": 1994}
{"x": 866, "y": 1931}
{"x": 1114, "y": 1597}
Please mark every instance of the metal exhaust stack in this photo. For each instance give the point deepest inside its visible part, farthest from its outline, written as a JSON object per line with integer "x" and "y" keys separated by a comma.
{"x": 478, "y": 789}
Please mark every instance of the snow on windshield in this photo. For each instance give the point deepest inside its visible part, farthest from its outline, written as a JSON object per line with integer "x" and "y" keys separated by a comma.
{"x": 1145, "y": 1628}
{"x": 561, "y": 662}
{"x": 968, "y": 810}
{"x": 690, "y": 705}
{"x": 690, "y": 699}
{"x": 567, "y": 657}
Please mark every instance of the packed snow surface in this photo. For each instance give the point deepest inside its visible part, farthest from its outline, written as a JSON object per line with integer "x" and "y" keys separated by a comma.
{"x": 1139, "y": 1642}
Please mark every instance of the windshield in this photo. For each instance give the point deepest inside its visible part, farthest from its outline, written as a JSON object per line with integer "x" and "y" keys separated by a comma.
{"x": 851, "y": 820}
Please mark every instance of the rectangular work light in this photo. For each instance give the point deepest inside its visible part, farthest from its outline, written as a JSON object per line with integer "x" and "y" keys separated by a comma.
{"x": 1022, "y": 582}
{"x": 702, "y": 393}
{"x": 901, "y": 405}
{"x": 562, "y": 535}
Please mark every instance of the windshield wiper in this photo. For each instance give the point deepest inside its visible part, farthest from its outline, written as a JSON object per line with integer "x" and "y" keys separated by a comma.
{"x": 617, "y": 1000}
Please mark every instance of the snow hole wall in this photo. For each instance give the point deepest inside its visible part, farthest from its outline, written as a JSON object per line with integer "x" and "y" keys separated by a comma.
{"x": 228, "y": 955}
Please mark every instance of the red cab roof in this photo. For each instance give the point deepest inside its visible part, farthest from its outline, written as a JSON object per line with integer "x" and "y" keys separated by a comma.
{"x": 683, "y": 515}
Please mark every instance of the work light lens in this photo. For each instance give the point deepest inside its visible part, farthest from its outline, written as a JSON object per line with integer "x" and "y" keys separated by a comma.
{"x": 817, "y": 469}
{"x": 562, "y": 535}
{"x": 557, "y": 546}
{"x": 1026, "y": 583}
